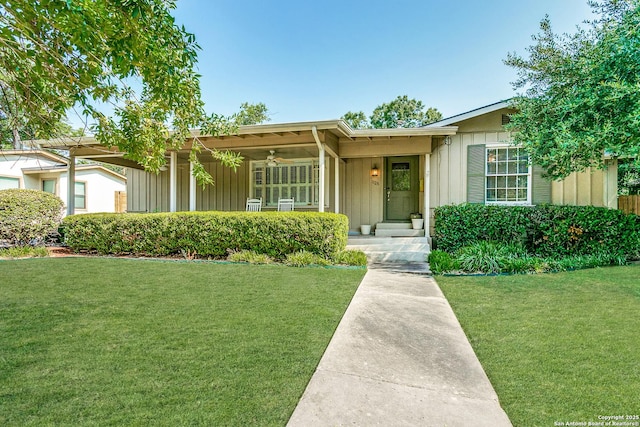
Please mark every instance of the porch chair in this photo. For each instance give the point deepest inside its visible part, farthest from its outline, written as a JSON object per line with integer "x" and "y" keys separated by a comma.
{"x": 254, "y": 205}
{"x": 285, "y": 205}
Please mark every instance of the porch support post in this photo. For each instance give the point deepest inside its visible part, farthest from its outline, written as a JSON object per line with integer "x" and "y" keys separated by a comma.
{"x": 426, "y": 193}
{"x": 192, "y": 188}
{"x": 173, "y": 184}
{"x": 321, "y": 150}
{"x": 336, "y": 202}
{"x": 71, "y": 184}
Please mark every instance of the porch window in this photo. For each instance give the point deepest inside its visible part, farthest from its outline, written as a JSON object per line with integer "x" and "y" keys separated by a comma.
{"x": 298, "y": 179}
{"x": 508, "y": 176}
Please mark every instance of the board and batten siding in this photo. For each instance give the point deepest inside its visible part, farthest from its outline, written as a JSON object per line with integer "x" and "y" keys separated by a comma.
{"x": 451, "y": 173}
{"x": 363, "y": 194}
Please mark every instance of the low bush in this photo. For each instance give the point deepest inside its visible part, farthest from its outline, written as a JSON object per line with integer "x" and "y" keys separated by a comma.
{"x": 545, "y": 231}
{"x": 24, "y": 252}
{"x": 27, "y": 217}
{"x": 442, "y": 262}
{"x": 351, "y": 257}
{"x": 305, "y": 258}
{"x": 251, "y": 257}
{"x": 208, "y": 234}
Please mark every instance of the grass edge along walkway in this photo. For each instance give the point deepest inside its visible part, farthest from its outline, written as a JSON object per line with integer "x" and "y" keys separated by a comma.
{"x": 558, "y": 348}
{"x": 117, "y": 341}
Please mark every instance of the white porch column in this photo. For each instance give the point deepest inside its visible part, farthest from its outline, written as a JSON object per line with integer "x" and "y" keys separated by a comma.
{"x": 426, "y": 193}
{"x": 192, "y": 188}
{"x": 336, "y": 202}
{"x": 71, "y": 185}
{"x": 173, "y": 181}
{"x": 321, "y": 179}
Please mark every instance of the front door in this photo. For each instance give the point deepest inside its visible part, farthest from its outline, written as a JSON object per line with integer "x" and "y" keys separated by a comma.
{"x": 401, "y": 188}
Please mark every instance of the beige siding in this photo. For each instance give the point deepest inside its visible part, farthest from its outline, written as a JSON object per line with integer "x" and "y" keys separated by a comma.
{"x": 364, "y": 194}
{"x": 591, "y": 187}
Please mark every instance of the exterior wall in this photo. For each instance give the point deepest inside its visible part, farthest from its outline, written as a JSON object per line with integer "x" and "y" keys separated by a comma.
{"x": 147, "y": 192}
{"x": 592, "y": 187}
{"x": 364, "y": 193}
{"x": 12, "y": 165}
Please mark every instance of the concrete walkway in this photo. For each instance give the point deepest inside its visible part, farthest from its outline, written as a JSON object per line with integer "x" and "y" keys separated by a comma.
{"x": 399, "y": 358}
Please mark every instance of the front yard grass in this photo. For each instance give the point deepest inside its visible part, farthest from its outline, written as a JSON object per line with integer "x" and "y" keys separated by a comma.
{"x": 97, "y": 341}
{"x": 557, "y": 348}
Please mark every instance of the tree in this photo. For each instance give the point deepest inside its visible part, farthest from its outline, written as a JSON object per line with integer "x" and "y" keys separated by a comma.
{"x": 252, "y": 114}
{"x": 581, "y": 94}
{"x": 403, "y": 112}
{"x": 58, "y": 54}
{"x": 357, "y": 120}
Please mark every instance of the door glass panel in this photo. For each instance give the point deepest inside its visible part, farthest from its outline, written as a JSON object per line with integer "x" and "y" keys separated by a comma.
{"x": 401, "y": 177}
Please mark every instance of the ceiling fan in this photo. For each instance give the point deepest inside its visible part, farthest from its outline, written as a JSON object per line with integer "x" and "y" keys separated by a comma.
{"x": 272, "y": 160}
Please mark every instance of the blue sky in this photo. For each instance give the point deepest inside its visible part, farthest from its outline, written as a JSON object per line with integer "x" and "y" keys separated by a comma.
{"x": 316, "y": 60}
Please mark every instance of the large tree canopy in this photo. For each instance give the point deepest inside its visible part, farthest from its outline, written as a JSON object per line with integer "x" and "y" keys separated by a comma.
{"x": 402, "y": 112}
{"x": 581, "y": 94}
{"x": 252, "y": 114}
{"x": 58, "y": 54}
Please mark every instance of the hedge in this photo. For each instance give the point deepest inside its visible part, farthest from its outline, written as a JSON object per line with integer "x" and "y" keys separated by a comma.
{"x": 27, "y": 217}
{"x": 544, "y": 230}
{"x": 207, "y": 234}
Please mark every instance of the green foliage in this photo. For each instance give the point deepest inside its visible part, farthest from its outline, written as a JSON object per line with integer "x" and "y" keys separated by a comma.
{"x": 252, "y": 257}
{"x": 442, "y": 262}
{"x": 487, "y": 257}
{"x": 252, "y": 114}
{"x": 581, "y": 92}
{"x": 208, "y": 234}
{"x": 544, "y": 230}
{"x": 351, "y": 257}
{"x": 304, "y": 258}
{"x": 628, "y": 177}
{"x": 24, "y": 252}
{"x": 357, "y": 120}
{"x": 56, "y": 55}
{"x": 403, "y": 112}
{"x": 28, "y": 216}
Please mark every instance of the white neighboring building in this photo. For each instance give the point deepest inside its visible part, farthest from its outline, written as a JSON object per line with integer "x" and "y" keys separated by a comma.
{"x": 97, "y": 189}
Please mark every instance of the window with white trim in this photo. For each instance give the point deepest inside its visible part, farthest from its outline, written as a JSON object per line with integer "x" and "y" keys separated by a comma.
{"x": 298, "y": 179}
{"x": 508, "y": 175}
{"x": 49, "y": 186}
{"x": 7, "y": 182}
{"x": 80, "y": 199}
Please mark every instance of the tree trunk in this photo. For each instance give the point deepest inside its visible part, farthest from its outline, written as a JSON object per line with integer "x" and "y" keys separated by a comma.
{"x": 17, "y": 144}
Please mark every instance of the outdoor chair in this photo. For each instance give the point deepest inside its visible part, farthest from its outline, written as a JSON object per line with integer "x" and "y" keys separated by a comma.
{"x": 285, "y": 205}
{"x": 254, "y": 205}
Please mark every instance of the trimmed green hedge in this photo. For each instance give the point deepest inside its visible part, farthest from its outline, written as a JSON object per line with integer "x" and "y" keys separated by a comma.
{"x": 543, "y": 230}
{"x": 207, "y": 234}
{"x": 27, "y": 217}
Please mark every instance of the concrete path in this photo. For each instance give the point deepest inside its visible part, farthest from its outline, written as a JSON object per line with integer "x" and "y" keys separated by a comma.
{"x": 399, "y": 358}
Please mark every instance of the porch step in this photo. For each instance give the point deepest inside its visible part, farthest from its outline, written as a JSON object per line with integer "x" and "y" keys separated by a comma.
{"x": 391, "y": 249}
{"x": 397, "y": 229}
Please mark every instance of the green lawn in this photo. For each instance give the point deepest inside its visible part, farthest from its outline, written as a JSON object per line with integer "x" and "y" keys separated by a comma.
{"x": 98, "y": 341}
{"x": 557, "y": 347}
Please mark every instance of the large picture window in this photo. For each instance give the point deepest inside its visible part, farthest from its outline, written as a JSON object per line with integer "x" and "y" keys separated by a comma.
{"x": 297, "y": 180}
{"x": 508, "y": 175}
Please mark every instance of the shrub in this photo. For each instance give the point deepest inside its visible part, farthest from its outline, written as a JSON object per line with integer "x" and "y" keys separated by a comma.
{"x": 442, "y": 262}
{"x": 251, "y": 257}
{"x": 24, "y": 252}
{"x": 545, "y": 230}
{"x": 351, "y": 257}
{"x": 208, "y": 234}
{"x": 304, "y": 258}
{"x": 27, "y": 217}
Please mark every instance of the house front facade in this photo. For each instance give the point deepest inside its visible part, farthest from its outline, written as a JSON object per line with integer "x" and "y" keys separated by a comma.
{"x": 375, "y": 177}
{"x": 96, "y": 188}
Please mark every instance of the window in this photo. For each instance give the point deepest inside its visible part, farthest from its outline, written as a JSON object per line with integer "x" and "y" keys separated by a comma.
{"x": 7, "y": 182}
{"x": 49, "y": 186}
{"x": 81, "y": 195}
{"x": 298, "y": 179}
{"x": 508, "y": 175}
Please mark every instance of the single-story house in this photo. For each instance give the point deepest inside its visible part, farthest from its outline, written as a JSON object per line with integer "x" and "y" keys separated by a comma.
{"x": 376, "y": 177}
{"x": 96, "y": 189}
